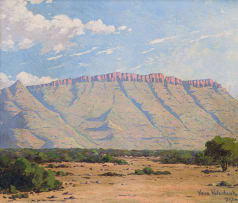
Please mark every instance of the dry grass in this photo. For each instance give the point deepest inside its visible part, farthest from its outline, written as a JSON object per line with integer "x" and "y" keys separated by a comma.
{"x": 182, "y": 186}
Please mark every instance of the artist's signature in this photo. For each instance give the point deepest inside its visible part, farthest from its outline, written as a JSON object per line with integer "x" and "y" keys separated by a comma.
{"x": 233, "y": 196}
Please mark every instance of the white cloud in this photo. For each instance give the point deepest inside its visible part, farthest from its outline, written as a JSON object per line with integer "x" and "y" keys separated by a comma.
{"x": 212, "y": 56}
{"x": 21, "y": 28}
{"x": 7, "y": 44}
{"x": 36, "y": 1}
{"x": 57, "y": 66}
{"x": 135, "y": 68}
{"x": 58, "y": 48}
{"x": 5, "y": 80}
{"x": 85, "y": 52}
{"x": 123, "y": 27}
{"x": 25, "y": 78}
{"x": 106, "y": 51}
{"x": 98, "y": 27}
{"x": 216, "y": 35}
{"x": 121, "y": 69}
{"x": 83, "y": 64}
{"x": 130, "y": 69}
{"x": 148, "y": 51}
{"x": 55, "y": 57}
{"x": 195, "y": 32}
{"x": 159, "y": 40}
{"x": 25, "y": 44}
{"x": 152, "y": 60}
{"x": 29, "y": 79}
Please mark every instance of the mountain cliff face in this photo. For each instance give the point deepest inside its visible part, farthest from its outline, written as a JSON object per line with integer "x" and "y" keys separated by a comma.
{"x": 117, "y": 110}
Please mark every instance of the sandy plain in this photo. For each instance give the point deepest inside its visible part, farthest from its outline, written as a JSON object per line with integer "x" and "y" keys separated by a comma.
{"x": 186, "y": 184}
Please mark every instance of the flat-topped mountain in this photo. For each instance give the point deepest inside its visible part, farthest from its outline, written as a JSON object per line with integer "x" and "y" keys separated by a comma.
{"x": 154, "y": 77}
{"x": 117, "y": 110}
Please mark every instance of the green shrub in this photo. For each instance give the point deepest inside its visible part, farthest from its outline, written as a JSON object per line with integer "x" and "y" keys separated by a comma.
{"x": 23, "y": 175}
{"x": 12, "y": 189}
{"x": 111, "y": 174}
{"x": 66, "y": 156}
{"x": 51, "y": 166}
{"x": 202, "y": 159}
{"x": 52, "y": 157}
{"x": 223, "y": 183}
{"x": 107, "y": 158}
{"x": 174, "y": 156}
{"x": 20, "y": 196}
{"x": 41, "y": 157}
{"x": 139, "y": 172}
{"x": 62, "y": 166}
{"x": 62, "y": 173}
{"x": 4, "y": 161}
{"x": 222, "y": 149}
{"x": 162, "y": 172}
{"x": 79, "y": 157}
{"x": 121, "y": 162}
{"x": 148, "y": 170}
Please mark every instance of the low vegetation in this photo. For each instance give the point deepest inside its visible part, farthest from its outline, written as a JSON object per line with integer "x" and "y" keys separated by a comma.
{"x": 221, "y": 151}
{"x": 63, "y": 155}
{"x": 20, "y": 170}
{"x": 111, "y": 174}
{"x": 62, "y": 173}
{"x": 23, "y": 175}
{"x": 149, "y": 171}
{"x": 19, "y": 196}
{"x": 223, "y": 184}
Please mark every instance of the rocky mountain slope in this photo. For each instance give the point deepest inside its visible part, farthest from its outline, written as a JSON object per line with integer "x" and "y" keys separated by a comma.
{"x": 117, "y": 110}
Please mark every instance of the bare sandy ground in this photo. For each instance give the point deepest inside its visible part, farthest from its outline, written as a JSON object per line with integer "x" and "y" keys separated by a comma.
{"x": 186, "y": 184}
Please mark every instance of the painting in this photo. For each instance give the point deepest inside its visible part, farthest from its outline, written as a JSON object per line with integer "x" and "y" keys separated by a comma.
{"x": 119, "y": 101}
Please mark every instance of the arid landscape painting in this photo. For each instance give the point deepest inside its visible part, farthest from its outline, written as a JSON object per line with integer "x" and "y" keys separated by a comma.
{"x": 119, "y": 101}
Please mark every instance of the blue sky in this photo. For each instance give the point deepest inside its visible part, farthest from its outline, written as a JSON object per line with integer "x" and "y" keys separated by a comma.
{"x": 47, "y": 39}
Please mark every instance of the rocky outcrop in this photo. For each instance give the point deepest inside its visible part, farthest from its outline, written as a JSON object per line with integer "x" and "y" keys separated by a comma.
{"x": 202, "y": 83}
{"x": 54, "y": 83}
{"x": 153, "y": 77}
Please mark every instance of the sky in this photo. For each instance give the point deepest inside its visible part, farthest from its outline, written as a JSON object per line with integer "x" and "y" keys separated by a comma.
{"x": 45, "y": 40}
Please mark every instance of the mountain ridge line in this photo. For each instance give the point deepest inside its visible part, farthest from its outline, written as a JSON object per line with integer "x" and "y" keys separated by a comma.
{"x": 153, "y": 77}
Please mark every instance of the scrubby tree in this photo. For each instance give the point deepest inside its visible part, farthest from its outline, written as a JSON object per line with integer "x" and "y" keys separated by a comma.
{"x": 26, "y": 176}
{"x": 4, "y": 161}
{"x": 222, "y": 150}
{"x": 202, "y": 159}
